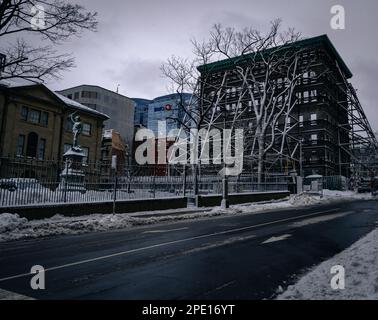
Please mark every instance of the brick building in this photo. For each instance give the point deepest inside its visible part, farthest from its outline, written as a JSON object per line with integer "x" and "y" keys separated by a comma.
{"x": 320, "y": 117}
{"x": 35, "y": 124}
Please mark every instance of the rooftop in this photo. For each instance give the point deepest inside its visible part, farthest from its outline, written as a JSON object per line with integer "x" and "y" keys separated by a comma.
{"x": 94, "y": 87}
{"x": 322, "y": 40}
{"x": 19, "y": 83}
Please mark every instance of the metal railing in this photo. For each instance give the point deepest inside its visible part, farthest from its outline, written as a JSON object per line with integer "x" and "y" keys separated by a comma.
{"x": 31, "y": 182}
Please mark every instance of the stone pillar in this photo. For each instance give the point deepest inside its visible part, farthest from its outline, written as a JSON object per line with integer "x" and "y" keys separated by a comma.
{"x": 72, "y": 176}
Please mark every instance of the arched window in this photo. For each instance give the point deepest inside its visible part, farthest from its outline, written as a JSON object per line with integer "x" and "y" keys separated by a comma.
{"x": 31, "y": 148}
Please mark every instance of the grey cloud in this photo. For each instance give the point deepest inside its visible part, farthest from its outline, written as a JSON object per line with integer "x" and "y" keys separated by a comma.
{"x": 139, "y": 78}
{"x": 135, "y": 36}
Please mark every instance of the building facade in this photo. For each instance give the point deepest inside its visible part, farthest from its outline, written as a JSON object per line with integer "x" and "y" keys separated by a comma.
{"x": 35, "y": 123}
{"x": 113, "y": 145}
{"x": 319, "y": 119}
{"x": 119, "y": 108}
{"x": 141, "y": 112}
{"x": 166, "y": 108}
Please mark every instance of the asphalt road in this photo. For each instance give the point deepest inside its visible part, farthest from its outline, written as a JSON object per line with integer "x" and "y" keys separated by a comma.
{"x": 239, "y": 257}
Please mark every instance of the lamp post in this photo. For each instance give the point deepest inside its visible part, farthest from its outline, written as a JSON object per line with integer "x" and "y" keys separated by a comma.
{"x": 114, "y": 169}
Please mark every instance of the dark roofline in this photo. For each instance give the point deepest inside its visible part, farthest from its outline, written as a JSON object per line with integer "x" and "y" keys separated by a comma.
{"x": 94, "y": 86}
{"x": 315, "y": 41}
{"x": 85, "y": 109}
{"x": 171, "y": 95}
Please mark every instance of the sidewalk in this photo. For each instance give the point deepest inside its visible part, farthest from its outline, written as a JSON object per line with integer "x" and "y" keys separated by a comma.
{"x": 360, "y": 262}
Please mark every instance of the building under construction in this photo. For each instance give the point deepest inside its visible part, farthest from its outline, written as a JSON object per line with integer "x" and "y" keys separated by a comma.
{"x": 326, "y": 132}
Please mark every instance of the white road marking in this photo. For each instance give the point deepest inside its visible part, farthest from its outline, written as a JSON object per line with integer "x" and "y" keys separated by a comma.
{"x": 9, "y": 295}
{"x": 315, "y": 220}
{"x": 166, "y": 230}
{"x": 275, "y": 239}
{"x": 217, "y": 244}
{"x": 169, "y": 243}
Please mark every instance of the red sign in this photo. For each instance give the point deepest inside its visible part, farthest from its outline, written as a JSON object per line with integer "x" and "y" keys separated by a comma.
{"x": 168, "y": 107}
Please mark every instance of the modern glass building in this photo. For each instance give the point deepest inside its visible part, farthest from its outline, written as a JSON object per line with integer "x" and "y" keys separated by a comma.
{"x": 166, "y": 108}
{"x": 141, "y": 112}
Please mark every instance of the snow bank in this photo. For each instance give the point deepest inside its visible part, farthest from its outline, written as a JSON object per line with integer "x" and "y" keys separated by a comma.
{"x": 361, "y": 275}
{"x": 294, "y": 201}
{"x": 11, "y": 222}
{"x": 12, "y": 227}
{"x": 337, "y": 195}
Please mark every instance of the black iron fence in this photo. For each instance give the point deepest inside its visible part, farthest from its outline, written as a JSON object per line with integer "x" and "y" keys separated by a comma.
{"x": 29, "y": 181}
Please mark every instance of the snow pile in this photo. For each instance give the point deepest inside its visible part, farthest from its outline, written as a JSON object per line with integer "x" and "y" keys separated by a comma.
{"x": 351, "y": 195}
{"x": 11, "y": 222}
{"x": 12, "y": 227}
{"x": 304, "y": 199}
{"x": 253, "y": 207}
{"x": 361, "y": 275}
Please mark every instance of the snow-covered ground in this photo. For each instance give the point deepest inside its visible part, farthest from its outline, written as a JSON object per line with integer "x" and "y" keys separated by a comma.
{"x": 360, "y": 262}
{"x": 13, "y": 227}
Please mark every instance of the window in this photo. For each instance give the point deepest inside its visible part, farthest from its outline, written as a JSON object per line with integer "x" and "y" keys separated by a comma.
{"x": 288, "y": 120}
{"x": 24, "y": 113}
{"x": 313, "y": 95}
{"x": 314, "y": 137}
{"x": 299, "y": 96}
{"x": 313, "y": 119}
{"x": 20, "y": 145}
{"x": 301, "y": 121}
{"x": 35, "y": 116}
{"x": 42, "y": 149}
{"x": 76, "y": 95}
{"x": 87, "y": 129}
{"x": 45, "y": 119}
{"x": 86, "y": 153}
{"x": 31, "y": 148}
{"x": 89, "y": 94}
{"x": 306, "y": 95}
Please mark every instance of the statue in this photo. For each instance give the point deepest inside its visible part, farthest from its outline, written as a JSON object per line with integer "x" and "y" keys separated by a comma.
{"x": 77, "y": 128}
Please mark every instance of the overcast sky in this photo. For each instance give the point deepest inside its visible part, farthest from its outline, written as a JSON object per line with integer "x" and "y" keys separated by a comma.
{"x": 136, "y": 36}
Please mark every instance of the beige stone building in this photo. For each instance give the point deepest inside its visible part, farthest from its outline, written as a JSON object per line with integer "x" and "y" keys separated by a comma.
{"x": 35, "y": 123}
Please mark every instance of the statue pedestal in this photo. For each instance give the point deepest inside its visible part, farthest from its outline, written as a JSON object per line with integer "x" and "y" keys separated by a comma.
{"x": 72, "y": 176}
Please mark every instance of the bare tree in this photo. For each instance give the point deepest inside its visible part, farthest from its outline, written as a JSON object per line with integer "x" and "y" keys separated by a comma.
{"x": 267, "y": 68}
{"x": 30, "y": 30}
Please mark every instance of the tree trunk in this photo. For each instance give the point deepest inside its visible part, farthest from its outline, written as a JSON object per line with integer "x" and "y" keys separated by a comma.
{"x": 195, "y": 178}
{"x": 260, "y": 163}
